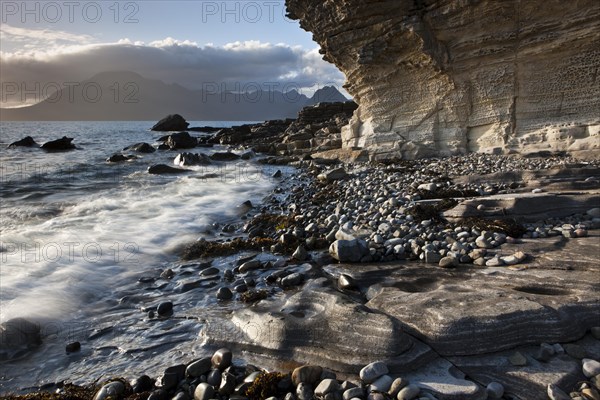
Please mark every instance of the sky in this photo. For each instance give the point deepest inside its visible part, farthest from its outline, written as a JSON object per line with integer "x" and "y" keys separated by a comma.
{"x": 193, "y": 43}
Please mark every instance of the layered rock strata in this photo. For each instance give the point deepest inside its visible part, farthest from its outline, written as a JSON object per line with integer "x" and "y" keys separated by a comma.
{"x": 440, "y": 77}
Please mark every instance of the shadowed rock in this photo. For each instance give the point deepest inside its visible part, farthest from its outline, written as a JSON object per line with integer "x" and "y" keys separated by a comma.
{"x": 140, "y": 148}
{"x": 162, "y": 169}
{"x": 63, "y": 144}
{"x": 173, "y": 122}
{"x": 25, "y": 142}
{"x": 17, "y": 336}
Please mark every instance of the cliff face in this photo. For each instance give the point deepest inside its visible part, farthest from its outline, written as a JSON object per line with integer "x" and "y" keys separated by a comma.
{"x": 440, "y": 77}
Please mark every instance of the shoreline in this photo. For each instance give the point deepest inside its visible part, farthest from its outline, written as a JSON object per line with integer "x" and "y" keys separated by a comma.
{"x": 384, "y": 205}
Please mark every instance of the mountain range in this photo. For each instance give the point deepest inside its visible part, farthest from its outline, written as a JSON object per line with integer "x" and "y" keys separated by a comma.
{"x": 128, "y": 96}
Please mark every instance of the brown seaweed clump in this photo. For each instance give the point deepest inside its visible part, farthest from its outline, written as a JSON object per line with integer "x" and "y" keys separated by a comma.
{"x": 204, "y": 248}
{"x": 253, "y": 296}
{"x": 264, "y": 386}
{"x": 508, "y": 226}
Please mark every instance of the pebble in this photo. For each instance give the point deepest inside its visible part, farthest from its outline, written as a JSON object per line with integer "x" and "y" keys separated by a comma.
{"x": 165, "y": 309}
{"x": 327, "y": 386}
{"x": 517, "y": 359}
{"x": 204, "y": 392}
{"x": 494, "y": 390}
{"x": 382, "y": 384}
{"x": 545, "y": 352}
{"x": 346, "y": 282}
{"x": 222, "y": 358}
{"x": 448, "y": 262}
{"x": 210, "y": 271}
{"x": 214, "y": 378}
{"x": 228, "y": 383}
{"x": 198, "y": 368}
{"x": 595, "y": 331}
{"x": 294, "y": 279}
{"x": 397, "y": 385}
{"x": 408, "y": 393}
{"x": 224, "y": 293}
{"x": 300, "y": 254}
{"x": 374, "y": 370}
{"x": 575, "y": 350}
{"x": 555, "y": 393}
{"x": 308, "y": 374}
{"x": 249, "y": 266}
{"x": 111, "y": 390}
{"x": 159, "y": 394}
{"x": 73, "y": 347}
{"x": 304, "y": 391}
{"x": 356, "y": 392}
{"x": 142, "y": 384}
{"x": 591, "y": 367}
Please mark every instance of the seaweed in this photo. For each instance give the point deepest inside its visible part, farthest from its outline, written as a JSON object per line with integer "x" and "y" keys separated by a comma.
{"x": 264, "y": 386}
{"x": 203, "y": 248}
{"x": 253, "y": 296}
{"x": 421, "y": 212}
{"x": 508, "y": 226}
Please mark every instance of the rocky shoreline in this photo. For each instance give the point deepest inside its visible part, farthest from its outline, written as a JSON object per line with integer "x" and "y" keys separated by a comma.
{"x": 468, "y": 277}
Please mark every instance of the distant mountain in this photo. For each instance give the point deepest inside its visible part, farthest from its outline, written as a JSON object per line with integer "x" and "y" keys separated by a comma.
{"x": 127, "y": 96}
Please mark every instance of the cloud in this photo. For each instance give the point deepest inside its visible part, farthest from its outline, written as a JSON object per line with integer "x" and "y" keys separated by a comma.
{"x": 39, "y": 37}
{"x": 170, "y": 60}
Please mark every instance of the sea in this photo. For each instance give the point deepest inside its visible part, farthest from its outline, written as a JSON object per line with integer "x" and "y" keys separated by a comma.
{"x": 78, "y": 234}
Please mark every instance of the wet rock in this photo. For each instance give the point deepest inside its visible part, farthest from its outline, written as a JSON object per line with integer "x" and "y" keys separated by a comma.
{"x": 210, "y": 271}
{"x": 354, "y": 393}
{"x": 333, "y": 175}
{"x": 214, "y": 378}
{"x": 158, "y": 394}
{"x": 300, "y": 254}
{"x": 112, "y": 390}
{"x": 371, "y": 372}
{"x": 187, "y": 159}
{"x": 140, "y": 148}
{"x": 27, "y": 141}
{"x": 308, "y": 374}
{"x": 595, "y": 331}
{"x": 222, "y": 358}
{"x": 228, "y": 383}
{"x": 181, "y": 140}
{"x": 165, "y": 309}
{"x": 224, "y": 293}
{"x": 291, "y": 280}
{"x": 73, "y": 347}
{"x": 173, "y": 122}
{"x": 224, "y": 156}
{"x": 142, "y": 384}
{"x": 397, "y": 385}
{"x": 349, "y": 250}
{"x": 115, "y": 158}
{"x": 162, "y": 169}
{"x": 545, "y": 352}
{"x": 198, "y": 368}
{"x": 63, "y": 144}
{"x": 204, "y": 392}
{"x": 18, "y": 335}
{"x": 250, "y": 266}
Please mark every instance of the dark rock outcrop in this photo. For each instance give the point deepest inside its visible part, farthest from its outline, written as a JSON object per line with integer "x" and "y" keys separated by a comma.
{"x": 115, "y": 158}
{"x": 181, "y": 140}
{"x": 25, "y": 142}
{"x": 184, "y": 159}
{"x": 63, "y": 144}
{"x": 173, "y": 122}
{"x": 140, "y": 148}
{"x": 447, "y": 77}
{"x": 162, "y": 169}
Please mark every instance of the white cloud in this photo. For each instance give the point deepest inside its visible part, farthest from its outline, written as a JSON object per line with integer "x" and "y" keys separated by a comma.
{"x": 9, "y": 32}
{"x": 170, "y": 60}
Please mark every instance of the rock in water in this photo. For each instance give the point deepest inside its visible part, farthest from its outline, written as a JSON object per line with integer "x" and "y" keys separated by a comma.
{"x": 17, "y": 336}
{"x": 181, "y": 140}
{"x": 204, "y": 392}
{"x": 140, "y": 148}
{"x": 173, "y": 122}
{"x": 457, "y": 112}
{"x": 112, "y": 390}
{"x": 27, "y": 141}
{"x": 184, "y": 159}
{"x": 62, "y": 144}
{"x": 224, "y": 156}
{"x": 222, "y": 358}
{"x": 162, "y": 169}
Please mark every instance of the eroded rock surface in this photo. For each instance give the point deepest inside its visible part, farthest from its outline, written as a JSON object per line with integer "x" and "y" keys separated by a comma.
{"x": 436, "y": 77}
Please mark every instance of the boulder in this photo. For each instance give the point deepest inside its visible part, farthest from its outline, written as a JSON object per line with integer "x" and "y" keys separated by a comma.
{"x": 349, "y": 250}
{"x": 17, "y": 336}
{"x": 173, "y": 122}
{"x": 161, "y": 169}
{"x": 63, "y": 144}
{"x": 140, "y": 148}
{"x": 224, "y": 156}
{"x": 184, "y": 159}
{"x": 181, "y": 140}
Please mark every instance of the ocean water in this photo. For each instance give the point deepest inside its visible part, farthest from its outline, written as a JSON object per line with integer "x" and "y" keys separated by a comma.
{"x": 77, "y": 233}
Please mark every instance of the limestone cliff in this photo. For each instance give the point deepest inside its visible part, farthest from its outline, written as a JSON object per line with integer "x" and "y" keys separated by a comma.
{"x": 440, "y": 77}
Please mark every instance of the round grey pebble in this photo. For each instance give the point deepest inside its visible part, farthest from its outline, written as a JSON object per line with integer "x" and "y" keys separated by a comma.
{"x": 224, "y": 293}
{"x": 591, "y": 367}
{"x": 165, "y": 308}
